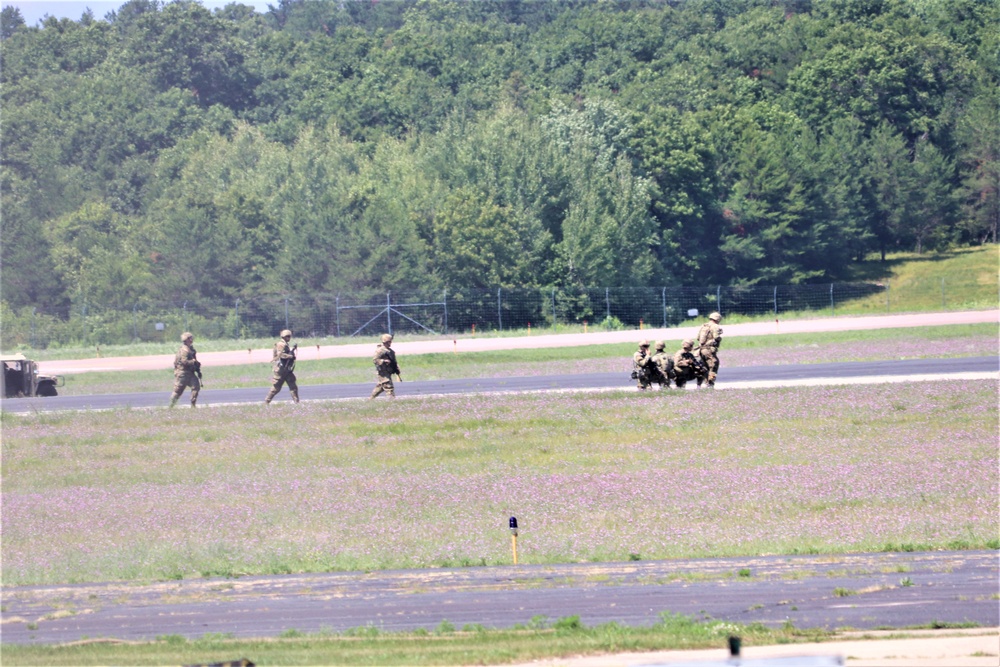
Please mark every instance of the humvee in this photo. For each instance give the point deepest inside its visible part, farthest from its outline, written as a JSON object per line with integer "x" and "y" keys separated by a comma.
{"x": 21, "y": 378}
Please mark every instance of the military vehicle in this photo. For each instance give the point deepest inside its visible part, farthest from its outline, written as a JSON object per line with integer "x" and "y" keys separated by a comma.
{"x": 22, "y": 379}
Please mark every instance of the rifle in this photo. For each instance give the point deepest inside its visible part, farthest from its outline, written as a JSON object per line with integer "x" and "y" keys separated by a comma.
{"x": 197, "y": 372}
{"x": 288, "y": 365}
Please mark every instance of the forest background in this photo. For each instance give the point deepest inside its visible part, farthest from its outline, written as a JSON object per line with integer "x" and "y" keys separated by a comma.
{"x": 168, "y": 152}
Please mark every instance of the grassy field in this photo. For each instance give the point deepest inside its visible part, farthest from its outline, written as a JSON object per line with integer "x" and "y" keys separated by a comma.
{"x": 952, "y": 341}
{"x": 444, "y": 645}
{"x": 141, "y": 496}
{"x": 965, "y": 279}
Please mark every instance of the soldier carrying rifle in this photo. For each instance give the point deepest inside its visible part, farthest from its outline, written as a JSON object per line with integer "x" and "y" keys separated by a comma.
{"x": 283, "y": 365}
{"x": 187, "y": 370}
{"x": 385, "y": 367}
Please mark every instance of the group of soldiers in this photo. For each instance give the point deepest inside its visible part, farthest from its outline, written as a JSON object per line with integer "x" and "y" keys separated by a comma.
{"x": 689, "y": 363}
{"x": 187, "y": 369}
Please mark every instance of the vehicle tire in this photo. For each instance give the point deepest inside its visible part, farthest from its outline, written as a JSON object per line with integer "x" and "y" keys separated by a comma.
{"x": 47, "y": 389}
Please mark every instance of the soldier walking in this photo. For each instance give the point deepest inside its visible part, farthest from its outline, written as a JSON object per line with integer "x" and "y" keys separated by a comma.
{"x": 187, "y": 370}
{"x": 283, "y": 365}
{"x": 709, "y": 339}
{"x": 385, "y": 367}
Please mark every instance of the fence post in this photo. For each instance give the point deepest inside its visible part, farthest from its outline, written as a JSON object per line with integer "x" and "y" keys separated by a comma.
{"x": 607, "y": 302}
{"x": 833, "y": 308}
{"x": 32, "y": 338}
{"x": 388, "y": 313}
{"x": 286, "y": 312}
{"x": 135, "y": 326}
{"x": 887, "y": 309}
{"x": 553, "y": 307}
{"x": 336, "y": 305}
{"x": 236, "y": 333}
{"x": 943, "y": 306}
{"x": 776, "y": 300}
{"x": 445, "y": 310}
{"x": 499, "y": 311}
{"x": 718, "y": 298}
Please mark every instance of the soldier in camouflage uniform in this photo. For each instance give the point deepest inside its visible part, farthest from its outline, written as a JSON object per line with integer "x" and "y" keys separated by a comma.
{"x": 283, "y": 365}
{"x": 662, "y": 367}
{"x": 686, "y": 366}
{"x": 187, "y": 370}
{"x": 641, "y": 362}
{"x": 385, "y": 367}
{"x": 709, "y": 339}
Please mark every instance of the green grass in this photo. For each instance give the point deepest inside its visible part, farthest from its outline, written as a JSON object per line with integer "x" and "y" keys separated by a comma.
{"x": 963, "y": 279}
{"x": 444, "y": 646}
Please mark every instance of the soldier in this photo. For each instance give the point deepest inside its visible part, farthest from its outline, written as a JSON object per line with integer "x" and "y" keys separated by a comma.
{"x": 187, "y": 370}
{"x": 283, "y": 364}
{"x": 709, "y": 339}
{"x": 385, "y": 367}
{"x": 641, "y": 362}
{"x": 686, "y": 366}
{"x": 662, "y": 367}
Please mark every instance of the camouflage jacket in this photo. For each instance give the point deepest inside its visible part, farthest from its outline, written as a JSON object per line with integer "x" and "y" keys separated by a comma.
{"x": 710, "y": 334}
{"x": 683, "y": 359}
{"x": 186, "y": 359}
{"x": 385, "y": 361}
{"x": 640, "y": 361}
{"x": 283, "y": 357}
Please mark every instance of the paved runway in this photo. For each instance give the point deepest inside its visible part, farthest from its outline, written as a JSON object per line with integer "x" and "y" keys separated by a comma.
{"x": 854, "y": 590}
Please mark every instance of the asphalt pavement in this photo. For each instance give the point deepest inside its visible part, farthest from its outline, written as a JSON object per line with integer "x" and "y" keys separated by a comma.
{"x": 860, "y": 591}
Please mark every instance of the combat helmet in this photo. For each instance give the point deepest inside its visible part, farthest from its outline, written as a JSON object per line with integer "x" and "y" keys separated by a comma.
{"x": 186, "y": 335}
{"x": 644, "y": 343}
{"x": 286, "y": 332}
{"x": 386, "y": 338}
{"x": 688, "y": 344}
{"x": 715, "y": 317}
{"x": 660, "y": 345}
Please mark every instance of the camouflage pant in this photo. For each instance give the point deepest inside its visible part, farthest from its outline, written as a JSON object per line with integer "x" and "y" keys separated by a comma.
{"x": 384, "y": 384}
{"x": 279, "y": 379}
{"x": 183, "y": 380}
{"x": 711, "y": 362}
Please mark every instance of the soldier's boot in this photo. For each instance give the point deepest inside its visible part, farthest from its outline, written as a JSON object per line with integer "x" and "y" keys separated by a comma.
{"x": 295, "y": 395}
{"x": 700, "y": 380}
{"x": 270, "y": 395}
{"x": 375, "y": 392}
{"x": 173, "y": 401}
{"x": 194, "y": 398}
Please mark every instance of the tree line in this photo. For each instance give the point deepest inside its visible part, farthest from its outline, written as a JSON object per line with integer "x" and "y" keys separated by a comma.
{"x": 168, "y": 152}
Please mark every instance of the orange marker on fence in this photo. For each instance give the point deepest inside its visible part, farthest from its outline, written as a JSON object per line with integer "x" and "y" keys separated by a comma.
{"x": 529, "y": 328}
{"x": 585, "y": 326}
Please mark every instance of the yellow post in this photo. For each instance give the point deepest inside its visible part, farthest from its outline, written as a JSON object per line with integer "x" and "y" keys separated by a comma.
{"x": 585, "y": 326}
{"x": 455, "y": 342}
{"x": 513, "y": 544}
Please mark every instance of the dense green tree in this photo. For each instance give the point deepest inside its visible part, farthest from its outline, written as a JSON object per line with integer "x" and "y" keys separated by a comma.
{"x": 326, "y": 146}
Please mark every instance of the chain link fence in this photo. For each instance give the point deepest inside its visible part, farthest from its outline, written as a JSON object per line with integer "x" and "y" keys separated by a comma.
{"x": 445, "y": 312}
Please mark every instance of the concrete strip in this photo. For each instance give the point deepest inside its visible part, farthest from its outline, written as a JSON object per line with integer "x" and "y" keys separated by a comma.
{"x": 449, "y": 345}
